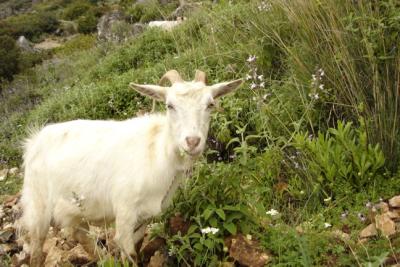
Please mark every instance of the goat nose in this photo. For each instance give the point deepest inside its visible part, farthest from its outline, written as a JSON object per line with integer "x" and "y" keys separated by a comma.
{"x": 192, "y": 141}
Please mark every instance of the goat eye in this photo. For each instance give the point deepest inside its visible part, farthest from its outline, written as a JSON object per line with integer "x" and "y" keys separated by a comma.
{"x": 210, "y": 106}
{"x": 170, "y": 107}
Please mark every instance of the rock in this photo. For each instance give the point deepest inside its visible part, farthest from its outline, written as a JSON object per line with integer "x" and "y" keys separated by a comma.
{"x": 9, "y": 248}
{"x": 112, "y": 27}
{"x": 385, "y": 224}
{"x": 13, "y": 171}
{"x": 149, "y": 247}
{"x": 394, "y": 202}
{"x": 19, "y": 259}
{"x": 158, "y": 260}
{"x": 67, "y": 28}
{"x": 25, "y": 44}
{"x": 47, "y": 44}
{"x": 178, "y": 224}
{"x": 78, "y": 256}
{"x": 341, "y": 235}
{"x": 3, "y": 174}
{"x": 138, "y": 28}
{"x": 11, "y": 201}
{"x": 247, "y": 252}
{"x": 299, "y": 229}
{"x": 54, "y": 257}
{"x": 368, "y": 231}
{"x": 7, "y": 235}
{"x": 382, "y": 207}
{"x": 184, "y": 10}
{"x": 394, "y": 215}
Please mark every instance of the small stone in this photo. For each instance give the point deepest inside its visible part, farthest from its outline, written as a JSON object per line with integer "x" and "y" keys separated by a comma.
{"x": 368, "y": 231}
{"x": 394, "y": 202}
{"x": 12, "y": 200}
{"x": 382, "y": 207}
{"x": 8, "y": 248}
{"x": 158, "y": 260}
{"x": 13, "y": 171}
{"x": 299, "y": 229}
{"x": 178, "y": 224}
{"x": 149, "y": 247}
{"x": 394, "y": 215}
{"x": 3, "y": 174}
{"x": 341, "y": 235}
{"x": 247, "y": 252}
{"x": 6, "y": 235}
{"x": 385, "y": 224}
{"x": 78, "y": 256}
{"x": 20, "y": 258}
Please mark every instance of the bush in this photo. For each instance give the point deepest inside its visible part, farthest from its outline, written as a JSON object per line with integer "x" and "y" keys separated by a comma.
{"x": 87, "y": 23}
{"x": 78, "y": 43}
{"x": 9, "y": 54}
{"x": 75, "y": 10}
{"x": 360, "y": 62}
{"x": 31, "y": 25}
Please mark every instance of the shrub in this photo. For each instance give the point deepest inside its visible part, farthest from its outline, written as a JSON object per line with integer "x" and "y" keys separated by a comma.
{"x": 78, "y": 43}
{"x": 31, "y": 25}
{"x": 87, "y": 23}
{"x": 339, "y": 162}
{"x": 354, "y": 44}
{"x": 76, "y": 9}
{"x": 9, "y": 54}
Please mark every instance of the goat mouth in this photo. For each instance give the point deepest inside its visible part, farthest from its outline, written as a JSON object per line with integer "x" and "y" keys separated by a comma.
{"x": 192, "y": 153}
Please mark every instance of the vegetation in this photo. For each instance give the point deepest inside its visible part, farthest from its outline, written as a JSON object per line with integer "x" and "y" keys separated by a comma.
{"x": 313, "y": 133}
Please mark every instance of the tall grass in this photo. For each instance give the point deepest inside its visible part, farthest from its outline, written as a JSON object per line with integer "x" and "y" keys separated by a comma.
{"x": 356, "y": 45}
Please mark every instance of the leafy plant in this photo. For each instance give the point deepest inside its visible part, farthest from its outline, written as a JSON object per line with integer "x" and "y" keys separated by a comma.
{"x": 340, "y": 157}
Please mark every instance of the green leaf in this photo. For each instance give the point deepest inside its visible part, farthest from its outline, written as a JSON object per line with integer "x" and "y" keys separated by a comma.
{"x": 213, "y": 222}
{"x": 230, "y": 227}
{"x": 209, "y": 244}
{"x": 207, "y": 213}
{"x": 192, "y": 229}
{"x": 198, "y": 246}
{"x": 221, "y": 214}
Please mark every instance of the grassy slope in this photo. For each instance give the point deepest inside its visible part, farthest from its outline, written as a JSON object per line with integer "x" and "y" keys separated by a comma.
{"x": 259, "y": 138}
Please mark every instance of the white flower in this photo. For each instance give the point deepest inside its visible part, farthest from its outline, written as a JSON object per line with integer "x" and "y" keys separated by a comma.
{"x": 248, "y": 77}
{"x": 272, "y": 212}
{"x": 209, "y": 230}
{"x": 314, "y": 77}
{"x": 321, "y": 72}
{"x": 327, "y": 199}
{"x": 251, "y": 58}
{"x": 327, "y": 225}
{"x": 260, "y": 77}
{"x": 253, "y": 86}
{"x": 321, "y": 86}
{"x": 262, "y": 84}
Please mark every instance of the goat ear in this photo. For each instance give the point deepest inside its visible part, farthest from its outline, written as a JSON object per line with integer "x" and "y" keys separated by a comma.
{"x": 154, "y": 91}
{"x": 221, "y": 89}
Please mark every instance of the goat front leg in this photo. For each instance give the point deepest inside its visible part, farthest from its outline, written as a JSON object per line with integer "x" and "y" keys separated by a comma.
{"x": 124, "y": 237}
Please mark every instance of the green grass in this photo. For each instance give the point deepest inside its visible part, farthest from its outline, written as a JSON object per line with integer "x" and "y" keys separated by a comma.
{"x": 276, "y": 146}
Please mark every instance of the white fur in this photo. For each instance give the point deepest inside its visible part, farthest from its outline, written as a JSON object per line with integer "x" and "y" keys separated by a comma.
{"x": 165, "y": 24}
{"x": 105, "y": 171}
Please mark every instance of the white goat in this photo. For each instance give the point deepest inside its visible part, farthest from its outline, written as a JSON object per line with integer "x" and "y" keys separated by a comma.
{"x": 124, "y": 171}
{"x": 167, "y": 25}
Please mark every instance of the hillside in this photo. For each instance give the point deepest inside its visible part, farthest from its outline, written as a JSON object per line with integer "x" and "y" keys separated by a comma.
{"x": 302, "y": 161}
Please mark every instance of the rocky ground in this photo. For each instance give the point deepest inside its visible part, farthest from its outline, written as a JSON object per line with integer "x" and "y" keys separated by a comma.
{"x": 61, "y": 250}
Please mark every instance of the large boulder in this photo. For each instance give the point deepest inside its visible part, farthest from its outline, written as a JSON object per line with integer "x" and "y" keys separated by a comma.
{"x": 106, "y": 24}
{"x": 25, "y": 44}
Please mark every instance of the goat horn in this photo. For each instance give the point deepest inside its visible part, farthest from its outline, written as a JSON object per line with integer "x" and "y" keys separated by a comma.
{"x": 200, "y": 76}
{"x": 172, "y": 75}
